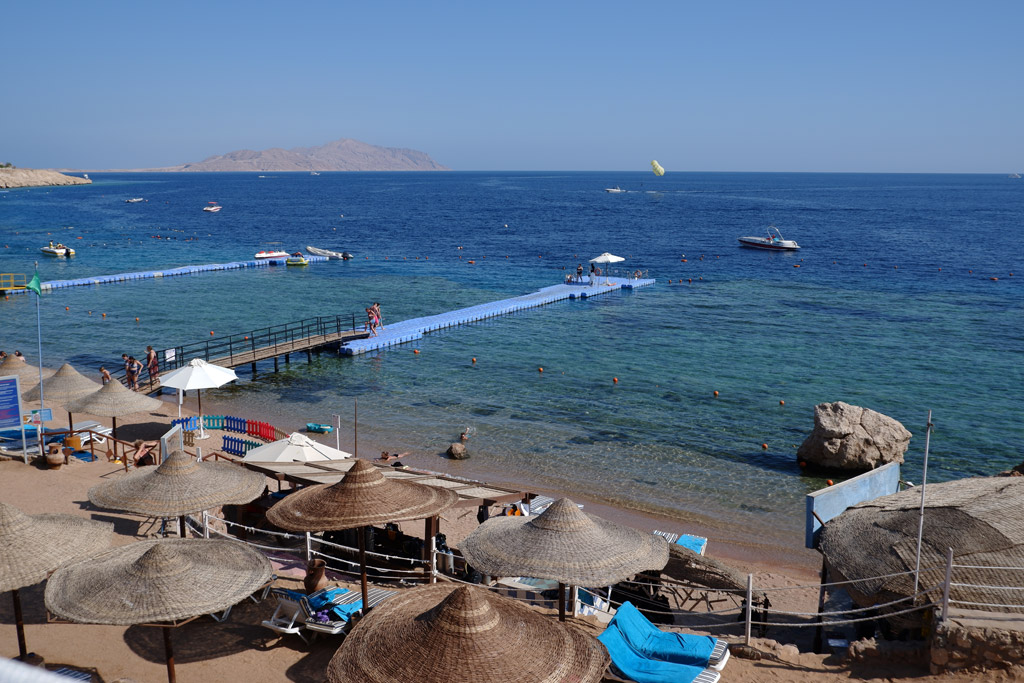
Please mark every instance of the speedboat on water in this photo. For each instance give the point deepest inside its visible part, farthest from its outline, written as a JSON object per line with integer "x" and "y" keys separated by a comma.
{"x": 297, "y": 259}
{"x": 57, "y": 250}
{"x": 614, "y": 190}
{"x": 333, "y": 255}
{"x": 134, "y": 200}
{"x": 260, "y": 255}
{"x": 774, "y": 241}
{"x": 213, "y": 207}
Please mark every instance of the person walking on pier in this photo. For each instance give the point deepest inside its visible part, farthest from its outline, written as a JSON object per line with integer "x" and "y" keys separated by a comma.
{"x": 376, "y": 312}
{"x": 153, "y": 365}
{"x": 371, "y": 322}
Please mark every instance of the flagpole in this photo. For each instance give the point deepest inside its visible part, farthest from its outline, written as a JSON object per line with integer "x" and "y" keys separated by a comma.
{"x": 39, "y": 338}
{"x": 920, "y": 518}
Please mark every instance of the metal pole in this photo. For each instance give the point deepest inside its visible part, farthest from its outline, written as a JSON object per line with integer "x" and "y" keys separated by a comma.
{"x": 920, "y": 520}
{"x": 362, "y": 568}
{"x": 206, "y": 524}
{"x": 750, "y": 602}
{"x": 945, "y": 587}
{"x": 337, "y": 431}
{"x": 309, "y": 548}
{"x": 355, "y": 428}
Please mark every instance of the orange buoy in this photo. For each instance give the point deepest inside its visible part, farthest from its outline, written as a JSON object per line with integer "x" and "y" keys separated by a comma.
{"x": 829, "y": 482}
{"x": 865, "y": 265}
{"x": 211, "y": 333}
{"x": 66, "y": 309}
{"x": 683, "y": 260}
{"x": 796, "y": 265}
{"x": 416, "y": 351}
{"x": 474, "y": 360}
{"x": 764, "y": 446}
{"x": 247, "y": 337}
{"x": 782, "y": 403}
{"x": 993, "y": 278}
{"x": 540, "y": 369}
{"x": 970, "y": 271}
{"x": 690, "y": 280}
{"x": 716, "y": 392}
{"x": 470, "y": 261}
{"x": 136, "y": 320}
{"x": 615, "y": 380}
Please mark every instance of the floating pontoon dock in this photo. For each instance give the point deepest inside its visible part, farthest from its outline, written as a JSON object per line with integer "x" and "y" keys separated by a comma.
{"x": 413, "y": 329}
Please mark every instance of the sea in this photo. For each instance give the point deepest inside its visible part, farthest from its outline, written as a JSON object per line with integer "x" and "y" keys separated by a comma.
{"x": 907, "y": 296}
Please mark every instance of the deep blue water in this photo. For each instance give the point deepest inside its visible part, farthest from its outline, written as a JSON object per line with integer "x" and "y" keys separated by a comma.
{"x": 892, "y": 307}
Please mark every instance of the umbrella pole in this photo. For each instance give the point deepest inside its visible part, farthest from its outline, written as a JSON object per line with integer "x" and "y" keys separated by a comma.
{"x": 170, "y": 654}
{"x": 561, "y": 601}
{"x": 19, "y": 623}
{"x": 362, "y": 568}
{"x": 113, "y": 435}
{"x": 71, "y": 423}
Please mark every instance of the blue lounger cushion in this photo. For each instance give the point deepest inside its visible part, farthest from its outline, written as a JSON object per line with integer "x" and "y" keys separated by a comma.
{"x": 632, "y": 665}
{"x": 652, "y": 642}
{"x": 325, "y": 597}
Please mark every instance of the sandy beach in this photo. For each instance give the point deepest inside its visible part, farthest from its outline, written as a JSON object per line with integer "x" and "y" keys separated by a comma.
{"x": 240, "y": 649}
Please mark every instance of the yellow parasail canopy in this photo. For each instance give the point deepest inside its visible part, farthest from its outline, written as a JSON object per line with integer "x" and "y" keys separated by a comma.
{"x": 656, "y": 167}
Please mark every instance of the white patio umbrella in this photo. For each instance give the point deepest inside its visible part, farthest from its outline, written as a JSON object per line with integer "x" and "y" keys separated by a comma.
{"x": 296, "y": 447}
{"x": 607, "y": 258}
{"x": 198, "y": 375}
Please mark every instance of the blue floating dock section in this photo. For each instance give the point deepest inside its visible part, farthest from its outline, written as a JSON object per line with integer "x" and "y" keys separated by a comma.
{"x": 52, "y": 285}
{"x": 413, "y": 329}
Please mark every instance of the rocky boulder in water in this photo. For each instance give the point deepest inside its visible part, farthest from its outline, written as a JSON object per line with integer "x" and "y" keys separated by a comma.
{"x": 852, "y": 438}
{"x": 457, "y": 451}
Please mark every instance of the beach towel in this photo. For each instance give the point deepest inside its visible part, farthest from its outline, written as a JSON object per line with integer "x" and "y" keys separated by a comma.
{"x": 653, "y": 643}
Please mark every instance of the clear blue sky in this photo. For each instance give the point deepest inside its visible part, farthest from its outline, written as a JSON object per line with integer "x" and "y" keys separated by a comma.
{"x": 902, "y": 86}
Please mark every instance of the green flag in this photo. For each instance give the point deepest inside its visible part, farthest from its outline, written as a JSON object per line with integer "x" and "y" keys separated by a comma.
{"x": 33, "y": 284}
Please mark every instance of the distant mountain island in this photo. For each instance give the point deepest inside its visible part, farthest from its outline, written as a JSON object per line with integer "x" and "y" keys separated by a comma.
{"x": 340, "y": 155}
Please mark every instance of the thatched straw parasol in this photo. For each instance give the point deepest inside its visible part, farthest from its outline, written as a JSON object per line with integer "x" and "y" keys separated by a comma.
{"x": 362, "y": 498}
{"x": 28, "y": 375}
{"x": 157, "y": 581}
{"x": 179, "y": 486}
{"x": 979, "y": 519}
{"x": 114, "y": 400}
{"x": 440, "y": 633}
{"x": 32, "y": 546}
{"x": 64, "y": 387}
{"x": 566, "y": 545}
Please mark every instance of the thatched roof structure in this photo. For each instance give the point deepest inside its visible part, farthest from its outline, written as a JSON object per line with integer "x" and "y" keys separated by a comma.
{"x": 980, "y": 519}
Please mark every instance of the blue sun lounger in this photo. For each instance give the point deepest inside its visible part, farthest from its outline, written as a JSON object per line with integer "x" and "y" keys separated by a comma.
{"x": 631, "y": 665}
{"x": 667, "y": 646}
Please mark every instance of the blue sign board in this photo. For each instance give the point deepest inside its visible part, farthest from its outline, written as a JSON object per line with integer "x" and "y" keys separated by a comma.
{"x": 10, "y": 403}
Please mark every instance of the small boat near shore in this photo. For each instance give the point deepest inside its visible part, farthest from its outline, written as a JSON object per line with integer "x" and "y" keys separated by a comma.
{"x": 614, "y": 190}
{"x": 260, "y": 255}
{"x": 333, "y": 255}
{"x": 773, "y": 241}
{"x": 134, "y": 200}
{"x": 213, "y": 207}
{"x": 317, "y": 428}
{"x": 297, "y": 259}
{"x": 57, "y": 250}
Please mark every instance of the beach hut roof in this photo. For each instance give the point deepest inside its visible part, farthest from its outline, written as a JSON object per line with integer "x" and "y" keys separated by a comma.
{"x": 179, "y": 486}
{"x": 978, "y": 518}
{"x": 32, "y": 546}
{"x": 156, "y": 581}
{"x": 363, "y": 497}
{"x": 64, "y": 386}
{"x": 113, "y": 400}
{"x": 564, "y": 544}
{"x": 440, "y": 633}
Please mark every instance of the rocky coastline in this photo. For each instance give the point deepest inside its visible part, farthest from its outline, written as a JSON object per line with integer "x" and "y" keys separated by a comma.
{"x": 31, "y": 177}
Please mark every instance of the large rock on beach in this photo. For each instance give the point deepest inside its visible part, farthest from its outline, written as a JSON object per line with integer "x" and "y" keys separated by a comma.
{"x": 851, "y": 438}
{"x": 29, "y": 177}
{"x": 457, "y": 451}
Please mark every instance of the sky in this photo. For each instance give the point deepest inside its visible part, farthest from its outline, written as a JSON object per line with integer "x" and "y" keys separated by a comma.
{"x": 866, "y": 86}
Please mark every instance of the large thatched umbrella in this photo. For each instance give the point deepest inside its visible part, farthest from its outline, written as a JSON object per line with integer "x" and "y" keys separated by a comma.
{"x": 32, "y": 546}
{"x": 28, "y": 375}
{"x": 441, "y": 632}
{"x": 157, "y": 581}
{"x": 564, "y": 544}
{"x": 114, "y": 400}
{"x": 362, "y": 498}
{"x": 64, "y": 387}
{"x": 979, "y": 519}
{"x": 179, "y": 486}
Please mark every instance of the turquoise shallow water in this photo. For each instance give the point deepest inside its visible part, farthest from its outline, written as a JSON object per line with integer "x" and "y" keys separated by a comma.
{"x": 913, "y": 329}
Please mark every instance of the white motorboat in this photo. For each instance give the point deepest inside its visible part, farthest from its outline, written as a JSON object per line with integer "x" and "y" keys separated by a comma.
{"x": 333, "y": 255}
{"x": 773, "y": 241}
{"x": 213, "y": 207}
{"x": 260, "y": 255}
{"x": 57, "y": 250}
{"x": 313, "y": 173}
{"x": 134, "y": 200}
{"x": 614, "y": 190}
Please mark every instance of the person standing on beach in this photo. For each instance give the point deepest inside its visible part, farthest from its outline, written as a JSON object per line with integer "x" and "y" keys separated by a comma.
{"x": 133, "y": 369}
{"x": 104, "y": 375}
{"x": 152, "y": 364}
